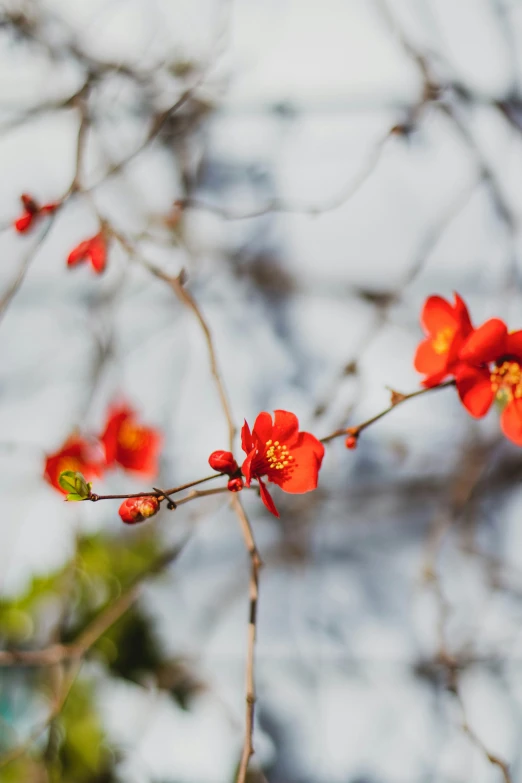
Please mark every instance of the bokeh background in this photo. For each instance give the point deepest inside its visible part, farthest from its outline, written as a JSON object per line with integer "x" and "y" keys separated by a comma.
{"x": 337, "y": 162}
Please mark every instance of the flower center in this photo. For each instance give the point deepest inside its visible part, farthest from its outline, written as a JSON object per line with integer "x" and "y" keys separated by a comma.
{"x": 442, "y": 340}
{"x": 506, "y": 381}
{"x": 130, "y": 436}
{"x": 277, "y": 455}
{"x": 69, "y": 463}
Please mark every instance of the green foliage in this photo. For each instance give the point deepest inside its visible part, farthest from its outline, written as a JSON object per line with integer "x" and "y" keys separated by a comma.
{"x": 74, "y": 484}
{"x": 81, "y": 753}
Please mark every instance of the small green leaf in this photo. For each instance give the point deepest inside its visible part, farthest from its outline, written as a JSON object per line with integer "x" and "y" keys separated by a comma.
{"x": 66, "y": 480}
{"x": 74, "y": 496}
{"x": 74, "y": 483}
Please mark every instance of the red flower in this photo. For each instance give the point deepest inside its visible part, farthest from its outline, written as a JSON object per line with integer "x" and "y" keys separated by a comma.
{"x": 94, "y": 249}
{"x": 134, "y": 510}
{"x": 32, "y": 211}
{"x": 130, "y": 444}
{"x": 280, "y": 452}
{"x": 492, "y": 369}
{"x": 447, "y": 327}
{"x": 76, "y": 454}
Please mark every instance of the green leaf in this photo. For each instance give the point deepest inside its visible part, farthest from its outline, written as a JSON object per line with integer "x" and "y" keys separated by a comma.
{"x": 73, "y": 496}
{"x": 74, "y": 483}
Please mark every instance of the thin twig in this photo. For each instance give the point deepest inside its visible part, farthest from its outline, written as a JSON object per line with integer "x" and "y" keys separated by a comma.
{"x": 397, "y": 399}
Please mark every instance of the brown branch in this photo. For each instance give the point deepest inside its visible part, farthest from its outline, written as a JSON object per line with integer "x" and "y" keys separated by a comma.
{"x": 283, "y": 206}
{"x": 255, "y": 565}
{"x": 158, "y": 493}
{"x": 397, "y": 398}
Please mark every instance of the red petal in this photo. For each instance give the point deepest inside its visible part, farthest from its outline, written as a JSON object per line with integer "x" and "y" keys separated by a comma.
{"x": 511, "y": 421}
{"x": 263, "y": 427}
{"x": 267, "y": 499}
{"x": 513, "y": 346}
{"x": 246, "y": 467}
{"x": 461, "y": 311}
{"x": 79, "y": 253}
{"x": 427, "y": 361}
{"x": 24, "y": 222}
{"x": 98, "y": 253}
{"x": 286, "y": 427}
{"x": 308, "y": 454}
{"x": 437, "y": 314}
{"x": 109, "y": 439}
{"x": 246, "y": 438}
{"x": 474, "y": 388}
{"x": 486, "y": 343}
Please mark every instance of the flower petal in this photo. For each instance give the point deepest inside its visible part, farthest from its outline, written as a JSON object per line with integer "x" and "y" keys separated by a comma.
{"x": 511, "y": 421}
{"x": 263, "y": 427}
{"x": 437, "y": 314}
{"x": 98, "y": 253}
{"x": 308, "y": 454}
{"x": 246, "y": 467}
{"x": 486, "y": 343}
{"x": 513, "y": 346}
{"x": 474, "y": 388}
{"x": 427, "y": 361}
{"x": 286, "y": 427}
{"x": 462, "y": 314}
{"x": 267, "y": 499}
{"x": 246, "y": 438}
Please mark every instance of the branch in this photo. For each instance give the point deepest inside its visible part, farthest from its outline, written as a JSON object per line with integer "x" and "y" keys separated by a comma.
{"x": 397, "y": 398}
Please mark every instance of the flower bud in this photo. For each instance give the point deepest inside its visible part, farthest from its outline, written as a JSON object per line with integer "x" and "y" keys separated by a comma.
{"x": 235, "y": 484}
{"x": 134, "y": 510}
{"x": 23, "y": 223}
{"x": 351, "y": 442}
{"x": 223, "y": 462}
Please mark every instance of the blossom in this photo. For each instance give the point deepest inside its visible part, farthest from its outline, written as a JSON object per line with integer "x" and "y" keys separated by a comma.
{"x": 276, "y": 449}
{"x": 491, "y": 369}
{"x": 447, "y": 327}
{"x": 78, "y": 455}
{"x": 32, "y": 211}
{"x": 93, "y": 249}
{"x": 134, "y": 510}
{"x": 130, "y": 444}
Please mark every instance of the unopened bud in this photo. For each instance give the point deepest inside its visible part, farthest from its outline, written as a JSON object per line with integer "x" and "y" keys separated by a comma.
{"x": 235, "y": 484}
{"x": 351, "y": 442}
{"x": 134, "y": 510}
{"x": 223, "y": 462}
{"x": 23, "y": 223}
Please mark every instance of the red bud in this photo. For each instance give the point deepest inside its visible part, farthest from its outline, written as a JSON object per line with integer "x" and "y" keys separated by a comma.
{"x": 23, "y": 223}
{"x": 351, "y": 442}
{"x": 235, "y": 484}
{"x": 223, "y": 462}
{"x": 134, "y": 510}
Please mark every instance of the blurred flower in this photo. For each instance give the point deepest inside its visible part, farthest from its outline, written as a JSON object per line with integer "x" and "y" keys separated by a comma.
{"x": 223, "y": 462}
{"x": 280, "y": 452}
{"x": 351, "y": 442}
{"x": 77, "y": 455}
{"x": 492, "y": 370}
{"x": 447, "y": 326}
{"x": 130, "y": 444}
{"x": 93, "y": 249}
{"x": 32, "y": 211}
{"x": 134, "y": 510}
